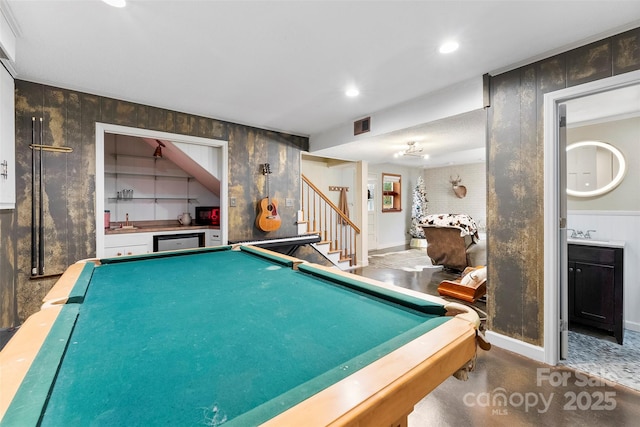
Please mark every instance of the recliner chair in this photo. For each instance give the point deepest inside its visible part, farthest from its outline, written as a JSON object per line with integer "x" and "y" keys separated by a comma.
{"x": 446, "y": 247}
{"x": 450, "y": 240}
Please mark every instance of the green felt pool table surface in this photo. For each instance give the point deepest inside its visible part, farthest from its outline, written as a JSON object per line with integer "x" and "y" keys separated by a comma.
{"x": 209, "y": 336}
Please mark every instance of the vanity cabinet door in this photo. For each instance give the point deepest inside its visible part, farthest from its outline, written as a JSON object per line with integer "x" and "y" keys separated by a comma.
{"x": 593, "y": 301}
{"x": 595, "y": 288}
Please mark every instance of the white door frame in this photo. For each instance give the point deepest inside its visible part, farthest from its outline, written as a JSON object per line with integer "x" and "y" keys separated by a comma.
{"x": 373, "y": 227}
{"x": 555, "y": 272}
{"x": 102, "y": 128}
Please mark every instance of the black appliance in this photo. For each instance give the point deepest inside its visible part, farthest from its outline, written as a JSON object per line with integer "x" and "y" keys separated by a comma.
{"x": 207, "y": 215}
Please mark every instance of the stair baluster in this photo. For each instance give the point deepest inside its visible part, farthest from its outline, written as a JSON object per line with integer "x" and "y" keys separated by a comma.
{"x": 324, "y": 218}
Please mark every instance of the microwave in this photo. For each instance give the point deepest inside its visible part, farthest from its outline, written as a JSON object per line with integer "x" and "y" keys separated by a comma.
{"x": 207, "y": 215}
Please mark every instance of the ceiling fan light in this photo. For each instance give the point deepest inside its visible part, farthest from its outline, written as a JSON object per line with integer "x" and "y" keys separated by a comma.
{"x": 414, "y": 150}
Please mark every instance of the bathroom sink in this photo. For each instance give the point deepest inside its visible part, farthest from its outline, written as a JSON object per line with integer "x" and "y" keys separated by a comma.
{"x": 592, "y": 242}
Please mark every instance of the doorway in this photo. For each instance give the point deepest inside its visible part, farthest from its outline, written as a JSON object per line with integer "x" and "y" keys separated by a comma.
{"x": 556, "y": 265}
{"x": 102, "y": 129}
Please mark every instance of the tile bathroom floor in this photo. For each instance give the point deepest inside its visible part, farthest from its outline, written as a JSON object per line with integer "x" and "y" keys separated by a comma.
{"x": 599, "y": 354}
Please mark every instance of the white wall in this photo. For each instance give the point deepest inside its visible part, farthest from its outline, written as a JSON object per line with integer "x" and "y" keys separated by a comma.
{"x": 323, "y": 174}
{"x": 442, "y": 198}
{"x": 625, "y": 136}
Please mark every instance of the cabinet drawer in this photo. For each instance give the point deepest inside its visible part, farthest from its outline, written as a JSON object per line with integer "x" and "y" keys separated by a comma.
{"x": 592, "y": 254}
{"x": 110, "y": 252}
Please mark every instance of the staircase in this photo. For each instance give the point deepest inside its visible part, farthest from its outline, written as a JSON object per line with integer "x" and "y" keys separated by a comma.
{"x": 337, "y": 233}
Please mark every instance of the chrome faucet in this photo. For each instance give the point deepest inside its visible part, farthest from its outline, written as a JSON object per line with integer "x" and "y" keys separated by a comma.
{"x": 588, "y": 234}
{"x": 573, "y": 233}
{"x": 580, "y": 234}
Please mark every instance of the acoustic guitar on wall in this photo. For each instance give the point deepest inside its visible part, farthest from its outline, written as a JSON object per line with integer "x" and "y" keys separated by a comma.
{"x": 268, "y": 218}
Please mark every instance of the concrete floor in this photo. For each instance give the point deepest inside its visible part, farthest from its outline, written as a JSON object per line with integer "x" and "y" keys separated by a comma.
{"x": 510, "y": 390}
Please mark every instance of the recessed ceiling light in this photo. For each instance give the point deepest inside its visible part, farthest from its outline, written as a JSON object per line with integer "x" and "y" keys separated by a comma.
{"x": 116, "y": 3}
{"x": 352, "y": 92}
{"x": 449, "y": 47}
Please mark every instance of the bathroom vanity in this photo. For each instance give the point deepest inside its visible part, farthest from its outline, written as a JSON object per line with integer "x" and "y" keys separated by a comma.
{"x": 595, "y": 285}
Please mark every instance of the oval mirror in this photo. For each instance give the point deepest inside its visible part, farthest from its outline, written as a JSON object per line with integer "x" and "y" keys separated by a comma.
{"x": 593, "y": 168}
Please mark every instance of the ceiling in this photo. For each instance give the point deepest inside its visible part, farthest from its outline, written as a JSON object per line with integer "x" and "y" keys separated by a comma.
{"x": 285, "y": 65}
{"x": 458, "y": 140}
{"x": 461, "y": 139}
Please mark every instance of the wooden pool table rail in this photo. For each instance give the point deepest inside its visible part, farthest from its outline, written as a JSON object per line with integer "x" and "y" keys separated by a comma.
{"x": 18, "y": 355}
{"x": 385, "y": 392}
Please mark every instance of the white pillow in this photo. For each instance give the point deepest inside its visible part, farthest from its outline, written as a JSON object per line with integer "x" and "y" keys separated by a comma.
{"x": 474, "y": 277}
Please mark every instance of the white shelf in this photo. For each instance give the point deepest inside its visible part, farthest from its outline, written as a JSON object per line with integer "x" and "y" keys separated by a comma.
{"x": 135, "y": 156}
{"x": 150, "y": 175}
{"x": 187, "y": 199}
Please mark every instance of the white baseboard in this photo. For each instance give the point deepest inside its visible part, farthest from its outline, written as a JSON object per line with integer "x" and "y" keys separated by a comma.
{"x": 632, "y": 326}
{"x": 516, "y": 346}
{"x": 392, "y": 245}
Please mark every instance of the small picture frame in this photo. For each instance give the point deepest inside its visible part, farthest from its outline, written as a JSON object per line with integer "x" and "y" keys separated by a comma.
{"x": 387, "y": 202}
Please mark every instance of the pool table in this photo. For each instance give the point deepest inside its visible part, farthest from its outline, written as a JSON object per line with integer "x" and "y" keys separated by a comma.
{"x": 228, "y": 335}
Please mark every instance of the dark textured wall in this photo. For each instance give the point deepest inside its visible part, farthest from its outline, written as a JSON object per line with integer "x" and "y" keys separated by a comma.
{"x": 516, "y": 176}
{"x": 7, "y": 277}
{"x": 69, "y": 119}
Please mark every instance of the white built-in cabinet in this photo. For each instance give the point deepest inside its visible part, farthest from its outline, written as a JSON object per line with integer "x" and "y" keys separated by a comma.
{"x": 7, "y": 141}
{"x": 128, "y": 244}
{"x": 142, "y": 243}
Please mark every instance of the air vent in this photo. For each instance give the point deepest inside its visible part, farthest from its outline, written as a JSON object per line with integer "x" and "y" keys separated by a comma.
{"x": 362, "y": 126}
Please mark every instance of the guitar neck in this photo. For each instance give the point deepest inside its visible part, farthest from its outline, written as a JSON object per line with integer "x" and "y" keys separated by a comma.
{"x": 266, "y": 169}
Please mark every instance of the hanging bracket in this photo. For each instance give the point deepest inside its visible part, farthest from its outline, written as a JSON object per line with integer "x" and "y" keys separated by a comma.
{"x": 50, "y": 148}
